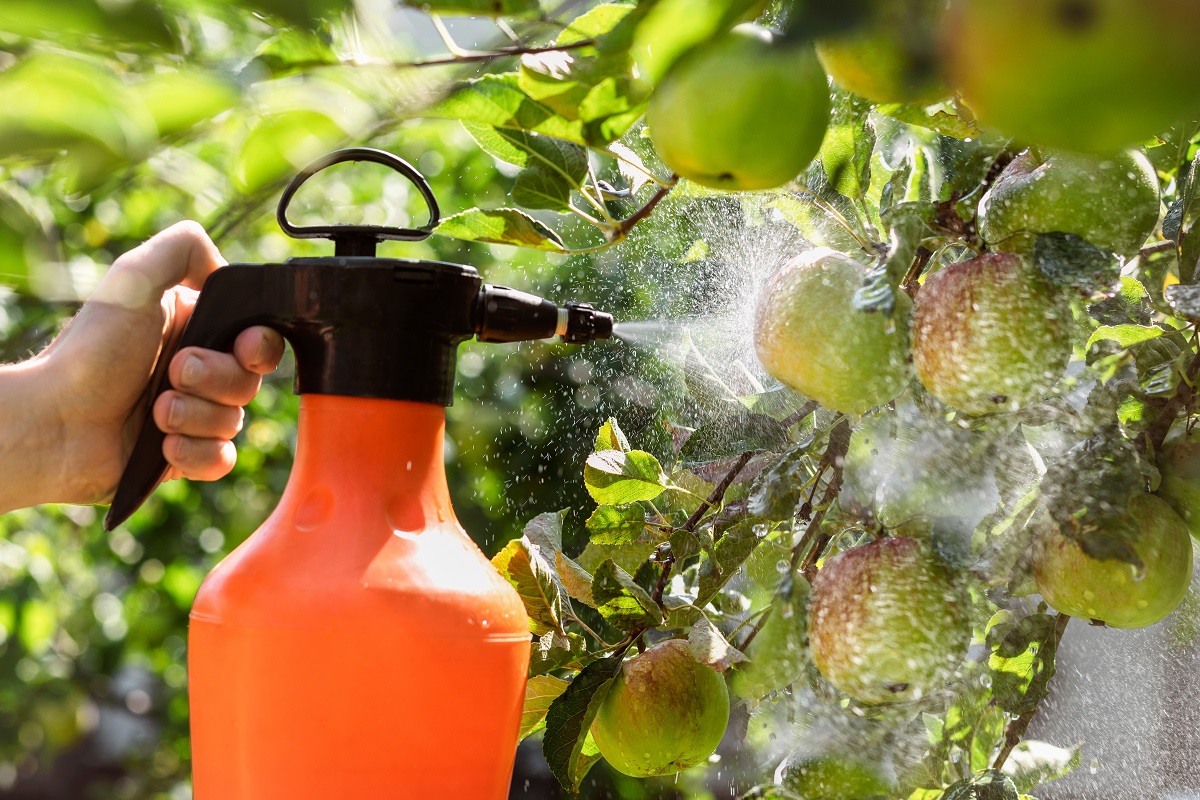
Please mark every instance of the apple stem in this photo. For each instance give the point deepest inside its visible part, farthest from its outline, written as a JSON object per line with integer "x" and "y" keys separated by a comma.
{"x": 1016, "y": 729}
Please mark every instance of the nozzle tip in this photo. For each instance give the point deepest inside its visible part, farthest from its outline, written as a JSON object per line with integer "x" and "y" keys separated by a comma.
{"x": 585, "y": 324}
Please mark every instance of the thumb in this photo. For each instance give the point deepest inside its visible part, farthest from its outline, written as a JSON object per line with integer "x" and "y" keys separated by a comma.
{"x": 181, "y": 254}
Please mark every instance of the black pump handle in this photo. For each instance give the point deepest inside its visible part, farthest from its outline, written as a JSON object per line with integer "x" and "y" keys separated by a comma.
{"x": 359, "y": 240}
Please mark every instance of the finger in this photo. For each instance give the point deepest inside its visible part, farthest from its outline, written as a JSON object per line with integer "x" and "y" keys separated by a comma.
{"x": 176, "y": 412}
{"x": 182, "y": 253}
{"x": 199, "y": 459}
{"x": 213, "y": 376}
{"x": 258, "y": 349}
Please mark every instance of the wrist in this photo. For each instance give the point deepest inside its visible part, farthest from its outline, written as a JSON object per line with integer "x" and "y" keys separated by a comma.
{"x": 31, "y": 437}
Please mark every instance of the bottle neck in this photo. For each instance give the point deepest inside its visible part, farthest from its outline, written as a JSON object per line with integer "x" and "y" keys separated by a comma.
{"x": 392, "y": 450}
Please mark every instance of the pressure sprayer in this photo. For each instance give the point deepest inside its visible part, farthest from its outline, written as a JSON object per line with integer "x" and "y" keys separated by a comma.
{"x": 358, "y": 645}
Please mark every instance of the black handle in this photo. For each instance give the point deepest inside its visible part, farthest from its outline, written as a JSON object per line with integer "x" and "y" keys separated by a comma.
{"x": 359, "y": 240}
{"x": 233, "y": 299}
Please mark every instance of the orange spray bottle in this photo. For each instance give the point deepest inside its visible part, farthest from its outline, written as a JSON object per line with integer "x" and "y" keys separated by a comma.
{"x": 358, "y": 645}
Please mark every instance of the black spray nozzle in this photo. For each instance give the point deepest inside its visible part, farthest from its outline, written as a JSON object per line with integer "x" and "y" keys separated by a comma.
{"x": 508, "y": 315}
{"x": 585, "y": 324}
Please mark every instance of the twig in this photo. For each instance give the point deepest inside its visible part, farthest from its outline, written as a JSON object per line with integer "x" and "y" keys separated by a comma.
{"x": 625, "y": 226}
{"x": 804, "y": 411}
{"x": 1016, "y": 729}
{"x": 835, "y": 454}
{"x": 909, "y": 282}
{"x": 714, "y": 498}
{"x": 464, "y": 57}
{"x": 664, "y": 556}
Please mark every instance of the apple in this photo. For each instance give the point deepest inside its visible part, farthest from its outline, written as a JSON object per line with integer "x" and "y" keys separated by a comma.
{"x": 892, "y": 57}
{"x": 808, "y": 336}
{"x": 886, "y": 621}
{"x": 1112, "y": 201}
{"x": 1179, "y": 466}
{"x": 1110, "y": 590}
{"x": 1084, "y": 75}
{"x": 664, "y": 712}
{"x": 989, "y": 334}
{"x": 836, "y": 777}
{"x": 741, "y": 112}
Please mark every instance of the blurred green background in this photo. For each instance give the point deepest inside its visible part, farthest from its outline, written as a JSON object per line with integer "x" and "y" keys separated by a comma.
{"x": 119, "y": 119}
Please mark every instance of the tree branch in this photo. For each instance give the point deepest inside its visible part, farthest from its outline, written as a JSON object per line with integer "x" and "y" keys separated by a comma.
{"x": 714, "y": 498}
{"x": 835, "y": 455}
{"x": 1016, "y": 729}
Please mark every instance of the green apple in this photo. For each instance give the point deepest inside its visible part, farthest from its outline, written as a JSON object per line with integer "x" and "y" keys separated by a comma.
{"x": 1179, "y": 466}
{"x": 886, "y": 621}
{"x": 1084, "y": 75}
{"x": 741, "y": 112}
{"x": 664, "y": 712}
{"x": 836, "y": 777}
{"x": 1112, "y": 201}
{"x": 1110, "y": 590}
{"x": 808, "y": 336}
{"x": 989, "y": 334}
{"x": 892, "y": 57}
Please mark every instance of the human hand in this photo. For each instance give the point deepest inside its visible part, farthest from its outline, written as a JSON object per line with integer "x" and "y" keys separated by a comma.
{"x": 93, "y": 377}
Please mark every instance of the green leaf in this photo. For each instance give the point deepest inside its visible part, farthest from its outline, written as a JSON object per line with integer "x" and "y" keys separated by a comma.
{"x": 56, "y": 103}
{"x": 935, "y": 118}
{"x": 498, "y": 101}
{"x": 280, "y": 144}
{"x": 554, "y": 651}
{"x": 25, "y": 243}
{"x": 1184, "y": 301}
{"x": 593, "y": 85}
{"x": 991, "y": 785}
{"x": 673, "y": 27}
{"x": 731, "y": 436}
{"x": 846, "y": 151}
{"x": 134, "y": 21}
{"x": 1125, "y": 335}
{"x": 535, "y": 582}
{"x": 727, "y": 555}
{"x": 709, "y": 646}
{"x": 616, "y": 478}
{"x": 537, "y": 188}
{"x": 779, "y": 490}
{"x": 178, "y": 101}
{"x": 611, "y": 437}
{"x": 623, "y": 604}
{"x": 1023, "y": 664}
{"x": 500, "y": 226}
{"x": 617, "y": 524}
{"x": 1070, "y": 260}
{"x": 570, "y": 718}
{"x": 545, "y": 533}
{"x": 524, "y": 149}
{"x": 576, "y": 581}
{"x": 540, "y": 692}
{"x": 291, "y": 51}
{"x": 490, "y": 8}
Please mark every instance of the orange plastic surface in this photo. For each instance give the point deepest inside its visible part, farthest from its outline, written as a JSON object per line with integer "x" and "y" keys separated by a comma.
{"x": 359, "y": 645}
